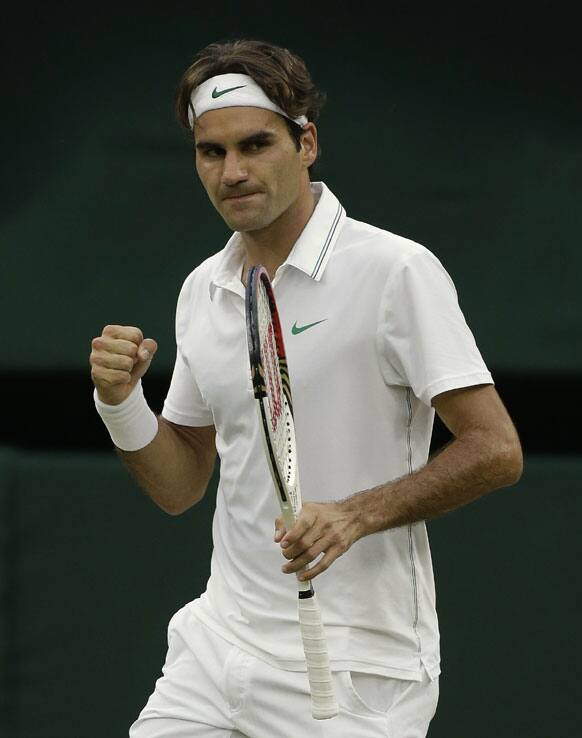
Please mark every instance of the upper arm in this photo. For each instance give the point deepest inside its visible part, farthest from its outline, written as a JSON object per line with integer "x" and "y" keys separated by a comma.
{"x": 477, "y": 409}
{"x": 480, "y": 424}
{"x": 424, "y": 340}
{"x": 200, "y": 439}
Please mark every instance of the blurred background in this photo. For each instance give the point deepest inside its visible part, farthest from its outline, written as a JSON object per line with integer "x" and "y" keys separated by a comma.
{"x": 458, "y": 126}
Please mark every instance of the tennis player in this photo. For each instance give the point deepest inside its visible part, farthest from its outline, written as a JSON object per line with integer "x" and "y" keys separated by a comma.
{"x": 376, "y": 343}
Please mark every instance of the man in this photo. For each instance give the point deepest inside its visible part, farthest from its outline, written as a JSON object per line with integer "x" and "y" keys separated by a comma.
{"x": 376, "y": 343}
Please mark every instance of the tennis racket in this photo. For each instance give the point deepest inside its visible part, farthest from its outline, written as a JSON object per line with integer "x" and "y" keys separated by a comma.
{"x": 273, "y": 394}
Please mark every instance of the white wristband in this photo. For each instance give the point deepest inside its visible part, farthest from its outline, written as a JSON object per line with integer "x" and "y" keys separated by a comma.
{"x": 131, "y": 424}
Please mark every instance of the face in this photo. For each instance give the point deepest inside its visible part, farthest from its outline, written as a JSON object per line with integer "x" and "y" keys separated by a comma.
{"x": 249, "y": 165}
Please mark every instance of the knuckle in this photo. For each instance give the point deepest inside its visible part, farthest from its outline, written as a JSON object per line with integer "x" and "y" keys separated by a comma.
{"x": 97, "y": 370}
{"x": 126, "y": 363}
{"x": 136, "y": 334}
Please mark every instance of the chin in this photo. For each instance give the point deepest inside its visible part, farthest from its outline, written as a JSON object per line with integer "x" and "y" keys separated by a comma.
{"x": 244, "y": 223}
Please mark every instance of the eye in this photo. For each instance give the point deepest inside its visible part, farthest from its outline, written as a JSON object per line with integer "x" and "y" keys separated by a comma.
{"x": 212, "y": 152}
{"x": 252, "y": 147}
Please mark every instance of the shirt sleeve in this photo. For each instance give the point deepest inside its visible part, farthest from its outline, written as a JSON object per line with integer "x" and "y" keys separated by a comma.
{"x": 424, "y": 340}
{"x": 184, "y": 404}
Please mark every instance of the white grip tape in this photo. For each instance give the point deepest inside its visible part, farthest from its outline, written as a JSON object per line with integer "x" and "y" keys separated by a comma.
{"x": 131, "y": 424}
{"x": 323, "y": 701}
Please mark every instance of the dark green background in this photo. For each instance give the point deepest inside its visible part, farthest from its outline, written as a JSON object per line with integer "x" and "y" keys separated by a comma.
{"x": 92, "y": 572}
{"x": 458, "y": 127}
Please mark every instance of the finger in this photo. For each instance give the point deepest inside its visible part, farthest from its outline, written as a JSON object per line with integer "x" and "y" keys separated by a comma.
{"x": 110, "y": 360}
{"x": 126, "y": 332}
{"x": 145, "y": 355}
{"x": 293, "y": 549}
{"x": 147, "y": 349}
{"x": 303, "y": 546}
{"x": 280, "y": 529}
{"x": 103, "y": 377}
{"x": 114, "y": 346}
{"x": 304, "y": 522}
{"x": 325, "y": 562}
{"x": 305, "y": 557}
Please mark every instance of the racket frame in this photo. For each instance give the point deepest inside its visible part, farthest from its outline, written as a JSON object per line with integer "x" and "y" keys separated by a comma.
{"x": 323, "y": 701}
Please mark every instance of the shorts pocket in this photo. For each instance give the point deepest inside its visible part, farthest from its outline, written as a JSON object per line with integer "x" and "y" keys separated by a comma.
{"x": 369, "y": 694}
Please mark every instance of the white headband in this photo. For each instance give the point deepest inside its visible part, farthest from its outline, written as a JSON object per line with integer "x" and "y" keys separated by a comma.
{"x": 232, "y": 91}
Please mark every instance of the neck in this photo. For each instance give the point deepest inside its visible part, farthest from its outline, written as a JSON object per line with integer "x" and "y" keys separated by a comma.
{"x": 270, "y": 246}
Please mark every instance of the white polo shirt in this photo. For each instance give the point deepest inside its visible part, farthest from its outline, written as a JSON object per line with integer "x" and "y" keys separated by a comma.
{"x": 373, "y": 332}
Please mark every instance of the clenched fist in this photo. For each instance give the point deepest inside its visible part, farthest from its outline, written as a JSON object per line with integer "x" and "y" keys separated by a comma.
{"x": 119, "y": 358}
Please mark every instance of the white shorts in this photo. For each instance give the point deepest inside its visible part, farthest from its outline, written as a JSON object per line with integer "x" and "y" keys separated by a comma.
{"x": 212, "y": 689}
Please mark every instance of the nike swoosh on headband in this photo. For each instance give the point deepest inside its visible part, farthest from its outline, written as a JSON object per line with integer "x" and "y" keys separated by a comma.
{"x": 218, "y": 93}
{"x": 232, "y": 90}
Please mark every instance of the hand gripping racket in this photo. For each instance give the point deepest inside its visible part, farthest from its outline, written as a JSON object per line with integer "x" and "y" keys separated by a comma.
{"x": 273, "y": 394}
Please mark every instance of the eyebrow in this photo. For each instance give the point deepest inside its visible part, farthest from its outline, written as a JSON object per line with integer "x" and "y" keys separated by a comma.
{"x": 260, "y": 137}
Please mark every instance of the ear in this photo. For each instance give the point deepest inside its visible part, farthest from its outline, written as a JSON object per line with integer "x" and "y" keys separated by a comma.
{"x": 309, "y": 145}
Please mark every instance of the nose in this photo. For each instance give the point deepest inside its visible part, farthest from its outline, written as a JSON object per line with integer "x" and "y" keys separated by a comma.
{"x": 234, "y": 170}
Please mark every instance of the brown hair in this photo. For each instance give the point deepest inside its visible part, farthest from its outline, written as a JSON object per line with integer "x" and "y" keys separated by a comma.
{"x": 282, "y": 75}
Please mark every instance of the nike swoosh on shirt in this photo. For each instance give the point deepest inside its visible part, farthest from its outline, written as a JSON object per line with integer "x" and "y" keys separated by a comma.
{"x": 217, "y": 93}
{"x": 300, "y": 328}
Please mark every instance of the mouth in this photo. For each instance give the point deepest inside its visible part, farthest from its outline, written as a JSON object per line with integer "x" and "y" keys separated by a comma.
{"x": 241, "y": 197}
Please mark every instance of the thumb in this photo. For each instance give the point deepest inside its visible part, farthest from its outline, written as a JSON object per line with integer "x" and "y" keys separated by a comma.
{"x": 147, "y": 349}
{"x": 145, "y": 354}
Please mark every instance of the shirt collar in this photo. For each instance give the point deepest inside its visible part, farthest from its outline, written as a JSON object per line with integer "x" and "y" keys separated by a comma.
{"x": 315, "y": 244}
{"x": 310, "y": 253}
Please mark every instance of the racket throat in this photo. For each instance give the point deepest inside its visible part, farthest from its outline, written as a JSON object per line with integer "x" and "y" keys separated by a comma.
{"x": 287, "y": 513}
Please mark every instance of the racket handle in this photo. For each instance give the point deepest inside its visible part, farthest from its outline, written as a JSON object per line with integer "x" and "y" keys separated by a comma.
{"x": 323, "y": 701}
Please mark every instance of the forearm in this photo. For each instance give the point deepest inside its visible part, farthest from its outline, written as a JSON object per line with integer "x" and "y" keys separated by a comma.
{"x": 463, "y": 471}
{"x": 172, "y": 463}
{"x": 484, "y": 455}
{"x": 174, "y": 472}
